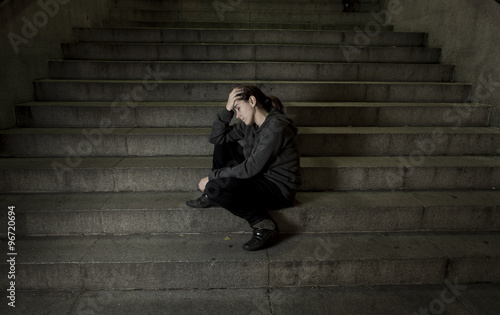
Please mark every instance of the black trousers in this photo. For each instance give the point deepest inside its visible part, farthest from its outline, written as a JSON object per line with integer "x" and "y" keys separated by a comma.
{"x": 249, "y": 199}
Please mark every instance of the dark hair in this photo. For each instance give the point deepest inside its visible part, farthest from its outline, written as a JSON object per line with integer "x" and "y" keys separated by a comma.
{"x": 268, "y": 102}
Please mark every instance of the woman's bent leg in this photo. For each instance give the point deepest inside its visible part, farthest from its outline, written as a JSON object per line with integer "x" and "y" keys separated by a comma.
{"x": 228, "y": 154}
{"x": 250, "y": 199}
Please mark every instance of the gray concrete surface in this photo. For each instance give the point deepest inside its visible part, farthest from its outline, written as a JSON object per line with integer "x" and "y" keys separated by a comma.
{"x": 389, "y": 300}
{"x": 467, "y": 31}
{"x": 201, "y": 114}
{"x": 243, "y": 36}
{"x": 166, "y": 212}
{"x": 25, "y": 60}
{"x": 75, "y": 173}
{"x": 255, "y": 15}
{"x": 243, "y": 71}
{"x": 324, "y": 5}
{"x": 202, "y": 91}
{"x": 210, "y": 261}
{"x": 312, "y": 141}
{"x": 239, "y": 25}
{"x": 247, "y": 52}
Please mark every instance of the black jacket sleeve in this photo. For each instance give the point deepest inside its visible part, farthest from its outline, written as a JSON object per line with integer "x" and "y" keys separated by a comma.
{"x": 269, "y": 146}
{"x": 222, "y": 132}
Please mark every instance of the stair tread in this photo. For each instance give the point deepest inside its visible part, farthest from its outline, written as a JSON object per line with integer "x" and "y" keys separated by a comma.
{"x": 362, "y": 300}
{"x": 205, "y": 162}
{"x": 254, "y": 82}
{"x": 58, "y": 214}
{"x": 237, "y": 15}
{"x": 174, "y": 201}
{"x": 384, "y": 52}
{"x": 286, "y": 104}
{"x": 198, "y": 44}
{"x": 204, "y": 247}
{"x": 237, "y": 25}
{"x": 137, "y": 131}
{"x": 207, "y": 29}
{"x": 236, "y": 10}
{"x": 188, "y": 261}
{"x": 251, "y": 62}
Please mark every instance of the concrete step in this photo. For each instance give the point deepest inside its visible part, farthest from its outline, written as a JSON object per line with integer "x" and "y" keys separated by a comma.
{"x": 193, "y": 4}
{"x": 312, "y": 141}
{"x": 245, "y": 25}
{"x": 166, "y": 212}
{"x": 239, "y": 70}
{"x": 211, "y": 261}
{"x": 332, "y": 16}
{"x": 248, "y": 52}
{"x": 214, "y": 91}
{"x": 83, "y": 174}
{"x": 362, "y": 300}
{"x": 188, "y": 114}
{"x": 254, "y": 36}
{"x": 292, "y": 5}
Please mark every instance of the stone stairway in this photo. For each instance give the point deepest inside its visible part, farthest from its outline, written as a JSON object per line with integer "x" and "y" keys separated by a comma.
{"x": 399, "y": 169}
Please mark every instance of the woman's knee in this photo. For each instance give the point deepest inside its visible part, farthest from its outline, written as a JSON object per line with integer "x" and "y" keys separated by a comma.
{"x": 216, "y": 187}
{"x": 225, "y": 187}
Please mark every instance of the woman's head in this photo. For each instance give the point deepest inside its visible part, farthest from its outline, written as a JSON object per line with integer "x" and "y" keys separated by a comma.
{"x": 267, "y": 102}
{"x": 252, "y": 106}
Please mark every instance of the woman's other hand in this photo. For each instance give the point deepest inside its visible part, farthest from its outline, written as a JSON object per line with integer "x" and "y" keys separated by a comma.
{"x": 202, "y": 184}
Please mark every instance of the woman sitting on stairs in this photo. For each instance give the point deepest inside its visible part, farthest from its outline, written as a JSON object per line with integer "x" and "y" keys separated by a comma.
{"x": 261, "y": 175}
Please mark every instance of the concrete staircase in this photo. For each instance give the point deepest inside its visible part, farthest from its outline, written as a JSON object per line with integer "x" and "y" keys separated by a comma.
{"x": 399, "y": 169}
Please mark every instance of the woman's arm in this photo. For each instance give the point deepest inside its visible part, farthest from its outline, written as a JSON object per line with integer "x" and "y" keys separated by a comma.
{"x": 271, "y": 143}
{"x": 221, "y": 131}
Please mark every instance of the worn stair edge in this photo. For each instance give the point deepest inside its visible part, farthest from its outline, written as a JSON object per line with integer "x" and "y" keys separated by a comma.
{"x": 77, "y": 174}
{"x": 239, "y": 25}
{"x": 206, "y": 261}
{"x": 248, "y": 52}
{"x": 250, "y": 5}
{"x": 308, "y": 91}
{"x": 362, "y": 300}
{"x": 166, "y": 212}
{"x": 276, "y": 36}
{"x": 187, "y": 4}
{"x": 177, "y": 70}
{"x": 189, "y": 114}
{"x": 238, "y": 16}
{"x": 312, "y": 141}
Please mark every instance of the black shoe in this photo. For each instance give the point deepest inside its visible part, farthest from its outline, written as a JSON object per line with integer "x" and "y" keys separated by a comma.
{"x": 202, "y": 202}
{"x": 259, "y": 238}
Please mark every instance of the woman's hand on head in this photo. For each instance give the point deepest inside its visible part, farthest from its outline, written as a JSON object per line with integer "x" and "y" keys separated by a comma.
{"x": 233, "y": 96}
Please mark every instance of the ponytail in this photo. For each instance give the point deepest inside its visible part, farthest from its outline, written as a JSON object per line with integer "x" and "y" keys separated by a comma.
{"x": 273, "y": 101}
